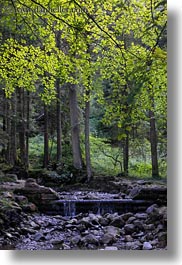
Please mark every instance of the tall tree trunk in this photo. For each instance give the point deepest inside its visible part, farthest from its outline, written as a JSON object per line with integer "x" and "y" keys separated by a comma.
{"x": 8, "y": 131}
{"x": 22, "y": 136}
{"x": 87, "y": 141}
{"x": 126, "y": 154}
{"x": 5, "y": 121}
{"x": 153, "y": 144}
{"x": 75, "y": 127}
{"x": 58, "y": 88}
{"x": 27, "y": 129}
{"x": 46, "y": 138}
{"x": 59, "y": 128}
{"x": 13, "y": 130}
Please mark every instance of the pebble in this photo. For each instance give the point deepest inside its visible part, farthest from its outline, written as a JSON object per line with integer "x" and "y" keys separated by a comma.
{"x": 147, "y": 246}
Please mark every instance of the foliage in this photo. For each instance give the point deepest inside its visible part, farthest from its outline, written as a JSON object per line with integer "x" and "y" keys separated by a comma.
{"x": 114, "y": 52}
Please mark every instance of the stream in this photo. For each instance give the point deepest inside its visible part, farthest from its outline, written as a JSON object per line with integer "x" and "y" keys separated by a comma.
{"x": 104, "y": 227}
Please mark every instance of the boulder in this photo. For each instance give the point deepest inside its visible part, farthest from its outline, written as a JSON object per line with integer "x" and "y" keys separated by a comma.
{"x": 153, "y": 194}
{"x": 39, "y": 195}
{"x": 129, "y": 229}
{"x": 118, "y": 222}
{"x": 76, "y": 239}
{"x": 141, "y": 216}
{"x": 90, "y": 239}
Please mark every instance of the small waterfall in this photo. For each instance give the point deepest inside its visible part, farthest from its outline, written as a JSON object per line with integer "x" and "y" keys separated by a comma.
{"x": 69, "y": 208}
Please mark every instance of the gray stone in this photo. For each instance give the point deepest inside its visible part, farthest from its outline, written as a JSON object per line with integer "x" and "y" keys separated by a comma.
{"x": 90, "y": 239}
{"x": 104, "y": 221}
{"x": 37, "y": 194}
{"x": 131, "y": 219}
{"x": 147, "y": 246}
{"x": 152, "y": 209}
{"x": 138, "y": 224}
{"x": 75, "y": 240}
{"x": 141, "y": 215}
{"x": 149, "y": 227}
{"x": 128, "y": 238}
{"x": 38, "y": 236}
{"x": 118, "y": 222}
{"x": 129, "y": 228}
{"x": 107, "y": 239}
{"x": 126, "y": 216}
{"x": 162, "y": 236}
{"x": 57, "y": 241}
{"x": 65, "y": 247}
{"x": 114, "y": 231}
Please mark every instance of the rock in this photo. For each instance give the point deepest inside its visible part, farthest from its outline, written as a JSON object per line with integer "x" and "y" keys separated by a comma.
{"x": 152, "y": 209}
{"x": 31, "y": 183}
{"x": 86, "y": 221}
{"x": 131, "y": 219}
{"x": 21, "y": 199}
{"x": 147, "y": 246}
{"x": 160, "y": 227}
{"x": 111, "y": 234}
{"x": 29, "y": 208}
{"x": 39, "y": 195}
{"x": 128, "y": 238}
{"x": 114, "y": 231}
{"x": 90, "y": 239}
{"x": 65, "y": 247}
{"x": 129, "y": 229}
{"x": 110, "y": 217}
{"x": 141, "y": 216}
{"x": 27, "y": 230}
{"x": 75, "y": 240}
{"x": 162, "y": 236}
{"x": 138, "y": 235}
{"x": 138, "y": 224}
{"x": 103, "y": 221}
{"x": 126, "y": 216}
{"x": 118, "y": 222}
{"x": 57, "y": 241}
{"x": 107, "y": 239}
{"x": 136, "y": 245}
{"x": 149, "y": 227}
{"x": 158, "y": 194}
{"x": 38, "y": 236}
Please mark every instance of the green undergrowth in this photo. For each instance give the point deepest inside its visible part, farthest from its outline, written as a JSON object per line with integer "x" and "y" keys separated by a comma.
{"x": 105, "y": 158}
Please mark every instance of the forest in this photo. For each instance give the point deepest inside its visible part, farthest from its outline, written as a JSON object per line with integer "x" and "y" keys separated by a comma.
{"x": 83, "y": 91}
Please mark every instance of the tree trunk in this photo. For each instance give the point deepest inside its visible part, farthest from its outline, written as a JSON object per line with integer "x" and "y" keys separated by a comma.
{"x": 59, "y": 128}
{"x": 22, "y": 136}
{"x": 87, "y": 141}
{"x": 153, "y": 144}
{"x": 27, "y": 129}
{"x": 75, "y": 127}
{"x": 5, "y": 121}
{"x": 13, "y": 124}
{"x": 8, "y": 131}
{"x": 126, "y": 154}
{"x": 46, "y": 138}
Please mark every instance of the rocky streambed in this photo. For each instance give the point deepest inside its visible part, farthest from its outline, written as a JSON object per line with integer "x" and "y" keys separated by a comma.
{"x": 25, "y": 226}
{"x": 137, "y": 231}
